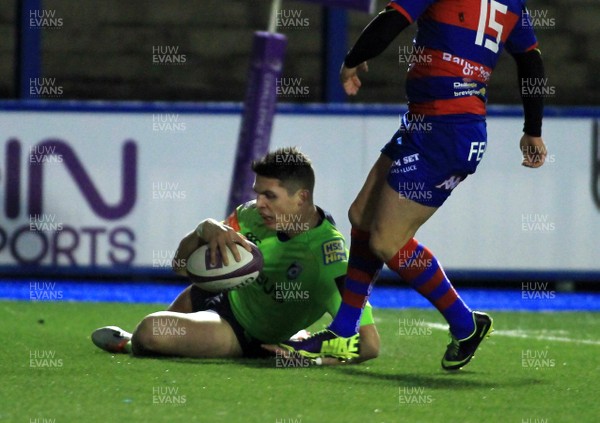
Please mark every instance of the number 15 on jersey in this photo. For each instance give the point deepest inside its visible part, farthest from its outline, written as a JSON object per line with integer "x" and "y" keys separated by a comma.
{"x": 488, "y": 15}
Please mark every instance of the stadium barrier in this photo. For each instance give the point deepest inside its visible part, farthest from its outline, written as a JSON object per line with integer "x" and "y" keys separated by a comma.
{"x": 101, "y": 188}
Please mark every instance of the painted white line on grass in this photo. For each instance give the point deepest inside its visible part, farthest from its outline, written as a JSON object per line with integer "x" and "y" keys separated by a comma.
{"x": 542, "y": 335}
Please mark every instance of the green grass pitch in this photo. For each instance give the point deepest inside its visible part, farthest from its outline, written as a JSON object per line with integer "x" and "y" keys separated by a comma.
{"x": 536, "y": 367}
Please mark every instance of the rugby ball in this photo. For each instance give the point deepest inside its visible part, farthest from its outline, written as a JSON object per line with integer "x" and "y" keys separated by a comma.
{"x": 221, "y": 278}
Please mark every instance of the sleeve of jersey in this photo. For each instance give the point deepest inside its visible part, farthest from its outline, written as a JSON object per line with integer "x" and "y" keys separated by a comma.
{"x": 367, "y": 316}
{"x": 522, "y": 38}
{"x": 411, "y": 9}
{"x": 232, "y": 220}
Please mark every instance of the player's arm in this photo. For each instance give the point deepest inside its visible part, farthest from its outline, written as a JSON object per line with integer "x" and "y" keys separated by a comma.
{"x": 369, "y": 343}
{"x": 373, "y": 40}
{"x": 369, "y": 346}
{"x": 530, "y": 70}
{"x": 210, "y": 231}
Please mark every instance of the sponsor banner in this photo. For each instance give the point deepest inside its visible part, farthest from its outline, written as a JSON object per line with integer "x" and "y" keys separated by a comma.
{"x": 86, "y": 189}
{"x": 91, "y": 189}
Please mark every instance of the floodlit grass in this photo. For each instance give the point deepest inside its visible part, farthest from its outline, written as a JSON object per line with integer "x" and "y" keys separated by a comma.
{"x": 536, "y": 367}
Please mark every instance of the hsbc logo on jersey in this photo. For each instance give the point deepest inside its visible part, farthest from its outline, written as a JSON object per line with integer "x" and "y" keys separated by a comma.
{"x": 450, "y": 183}
{"x": 334, "y": 251}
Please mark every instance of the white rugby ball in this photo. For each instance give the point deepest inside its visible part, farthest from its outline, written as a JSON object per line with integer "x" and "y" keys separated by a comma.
{"x": 220, "y": 278}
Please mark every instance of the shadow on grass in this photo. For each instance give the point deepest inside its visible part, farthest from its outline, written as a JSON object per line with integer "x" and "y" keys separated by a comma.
{"x": 247, "y": 362}
{"x": 462, "y": 379}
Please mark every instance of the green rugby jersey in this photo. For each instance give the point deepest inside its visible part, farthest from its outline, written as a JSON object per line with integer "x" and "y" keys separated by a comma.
{"x": 298, "y": 282}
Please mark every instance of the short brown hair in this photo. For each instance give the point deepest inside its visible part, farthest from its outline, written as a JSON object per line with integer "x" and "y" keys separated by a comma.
{"x": 288, "y": 164}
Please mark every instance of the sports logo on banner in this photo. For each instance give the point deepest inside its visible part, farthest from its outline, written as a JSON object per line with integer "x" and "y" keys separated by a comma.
{"x": 41, "y": 226}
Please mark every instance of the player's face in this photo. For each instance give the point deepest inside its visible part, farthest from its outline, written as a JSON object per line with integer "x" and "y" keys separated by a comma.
{"x": 274, "y": 203}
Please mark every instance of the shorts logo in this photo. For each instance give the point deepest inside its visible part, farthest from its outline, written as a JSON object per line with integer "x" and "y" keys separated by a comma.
{"x": 404, "y": 165}
{"x": 450, "y": 183}
{"x": 476, "y": 150}
{"x": 334, "y": 251}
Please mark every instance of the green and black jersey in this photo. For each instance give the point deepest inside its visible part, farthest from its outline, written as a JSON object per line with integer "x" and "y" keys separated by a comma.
{"x": 298, "y": 282}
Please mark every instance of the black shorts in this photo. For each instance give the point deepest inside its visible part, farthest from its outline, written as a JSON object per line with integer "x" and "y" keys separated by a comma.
{"x": 219, "y": 303}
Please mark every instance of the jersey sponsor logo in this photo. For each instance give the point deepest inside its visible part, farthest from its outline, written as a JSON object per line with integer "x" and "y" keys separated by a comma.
{"x": 334, "y": 251}
{"x": 468, "y": 68}
{"x": 450, "y": 183}
{"x": 467, "y": 89}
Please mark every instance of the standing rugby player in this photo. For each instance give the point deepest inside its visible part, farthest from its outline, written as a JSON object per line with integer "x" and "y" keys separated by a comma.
{"x": 457, "y": 45}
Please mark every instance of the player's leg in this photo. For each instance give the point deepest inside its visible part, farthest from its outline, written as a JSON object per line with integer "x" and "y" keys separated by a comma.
{"x": 116, "y": 340}
{"x": 199, "y": 334}
{"x": 183, "y": 302}
{"x": 363, "y": 265}
{"x": 396, "y": 221}
{"x": 362, "y": 210}
{"x": 437, "y": 170}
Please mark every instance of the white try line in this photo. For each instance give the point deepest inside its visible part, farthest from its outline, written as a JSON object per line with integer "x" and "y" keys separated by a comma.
{"x": 542, "y": 335}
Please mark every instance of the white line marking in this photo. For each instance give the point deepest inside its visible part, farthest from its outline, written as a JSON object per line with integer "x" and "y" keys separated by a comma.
{"x": 542, "y": 335}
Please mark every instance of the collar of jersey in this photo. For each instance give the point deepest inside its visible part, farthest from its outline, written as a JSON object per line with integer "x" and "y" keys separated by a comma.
{"x": 283, "y": 237}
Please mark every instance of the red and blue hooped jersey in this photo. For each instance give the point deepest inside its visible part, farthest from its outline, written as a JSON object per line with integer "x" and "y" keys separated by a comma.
{"x": 457, "y": 46}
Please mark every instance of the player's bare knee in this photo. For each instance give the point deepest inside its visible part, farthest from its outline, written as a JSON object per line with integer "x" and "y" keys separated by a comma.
{"x": 138, "y": 339}
{"x": 183, "y": 302}
{"x": 356, "y": 216}
{"x": 143, "y": 340}
{"x": 353, "y": 215}
{"x": 381, "y": 247}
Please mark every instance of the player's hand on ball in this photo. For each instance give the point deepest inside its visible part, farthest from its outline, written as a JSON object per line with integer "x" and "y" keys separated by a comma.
{"x": 220, "y": 236}
{"x": 350, "y": 79}
{"x": 533, "y": 150}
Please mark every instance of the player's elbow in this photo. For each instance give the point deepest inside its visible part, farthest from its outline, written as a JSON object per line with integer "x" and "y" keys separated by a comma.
{"x": 369, "y": 353}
